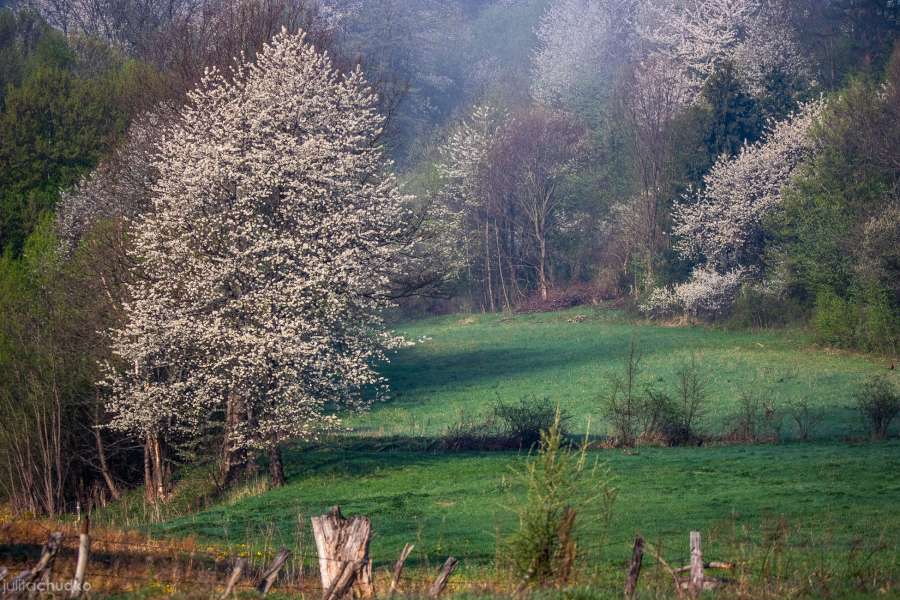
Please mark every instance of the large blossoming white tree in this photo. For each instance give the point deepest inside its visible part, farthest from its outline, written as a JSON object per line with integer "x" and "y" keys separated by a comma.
{"x": 265, "y": 257}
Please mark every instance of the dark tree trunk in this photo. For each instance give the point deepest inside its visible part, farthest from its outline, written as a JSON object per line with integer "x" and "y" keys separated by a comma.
{"x": 276, "y": 466}
{"x": 101, "y": 456}
{"x": 156, "y": 472}
{"x": 235, "y": 459}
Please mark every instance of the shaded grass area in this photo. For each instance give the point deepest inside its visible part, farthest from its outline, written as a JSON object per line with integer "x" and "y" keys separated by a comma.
{"x": 461, "y": 365}
{"x": 460, "y": 504}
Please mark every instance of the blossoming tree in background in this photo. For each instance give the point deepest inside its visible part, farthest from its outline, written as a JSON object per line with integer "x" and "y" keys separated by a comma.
{"x": 722, "y": 226}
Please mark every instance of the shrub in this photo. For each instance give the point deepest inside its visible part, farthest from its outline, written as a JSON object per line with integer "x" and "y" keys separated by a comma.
{"x": 623, "y": 404}
{"x": 756, "y": 420}
{"x": 757, "y": 308}
{"x": 659, "y": 418}
{"x": 707, "y": 294}
{"x": 472, "y": 434}
{"x": 560, "y": 482}
{"x": 523, "y": 422}
{"x": 675, "y": 421}
{"x": 692, "y": 401}
{"x": 879, "y": 403}
{"x": 879, "y": 323}
{"x": 867, "y": 321}
{"x": 806, "y": 419}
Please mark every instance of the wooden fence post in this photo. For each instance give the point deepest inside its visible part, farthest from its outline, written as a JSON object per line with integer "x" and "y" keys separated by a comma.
{"x": 696, "y": 584}
{"x": 235, "y": 576}
{"x": 443, "y": 577}
{"x": 84, "y": 553}
{"x": 634, "y": 571}
{"x": 398, "y": 568}
{"x": 341, "y": 541}
{"x": 268, "y": 578}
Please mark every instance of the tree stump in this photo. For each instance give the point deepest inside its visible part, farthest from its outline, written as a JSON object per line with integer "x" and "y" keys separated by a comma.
{"x": 340, "y": 541}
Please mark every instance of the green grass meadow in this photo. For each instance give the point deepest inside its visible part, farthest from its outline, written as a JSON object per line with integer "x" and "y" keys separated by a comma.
{"x": 831, "y": 492}
{"x": 460, "y": 504}
{"x": 461, "y": 365}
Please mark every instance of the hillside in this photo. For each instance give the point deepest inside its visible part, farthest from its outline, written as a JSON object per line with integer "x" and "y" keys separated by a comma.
{"x": 832, "y": 493}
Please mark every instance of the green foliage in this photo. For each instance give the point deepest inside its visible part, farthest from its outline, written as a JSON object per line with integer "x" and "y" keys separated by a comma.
{"x": 59, "y": 114}
{"x": 560, "y": 482}
{"x": 733, "y": 114}
{"x": 779, "y": 97}
{"x": 867, "y": 320}
{"x": 832, "y": 319}
{"x": 838, "y": 232}
{"x": 526, "y": 420}
{"x": 756, "y": 309}
{"x": 879, "y": 403}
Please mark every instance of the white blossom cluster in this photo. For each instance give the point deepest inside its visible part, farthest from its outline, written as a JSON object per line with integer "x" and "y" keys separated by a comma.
{"x": 577, "y": 41}
{"x": 265, "y": 254}
{"x": 722, "y": 224}
{"x": 707, "y": 293}
{"x": 466, "y": 150}
{"x": 721, "y": 227}
{"x": 698, "y": 35}
{"x": 463, "y": 157}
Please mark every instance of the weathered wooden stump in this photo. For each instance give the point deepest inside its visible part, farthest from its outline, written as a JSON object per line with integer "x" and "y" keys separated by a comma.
{"x": 341, "y": 542}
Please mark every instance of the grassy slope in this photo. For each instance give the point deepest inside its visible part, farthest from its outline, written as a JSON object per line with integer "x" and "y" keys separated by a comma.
{"x": 455, "y": 503}
{"x": 465, "y": 364}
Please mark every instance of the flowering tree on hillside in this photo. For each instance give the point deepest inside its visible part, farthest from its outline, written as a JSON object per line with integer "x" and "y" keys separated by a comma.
{"x": 580, "y": 42}
{"x": 698, "y": 35}
{"x": 468, "y": 218}
{"x": 722, "y": 226}
{"x": 266, "y": 254}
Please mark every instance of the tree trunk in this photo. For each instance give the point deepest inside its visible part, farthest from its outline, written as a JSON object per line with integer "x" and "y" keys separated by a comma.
{"x": 148, "y": 475}
{"x": 101, "y": 456}
{"x": 156, "y": 474}
{"x": 487, "y": 266}
{"x": 235, "y": 458}
{"x": 542, "y": 269}
{"x": 276, "y": 466}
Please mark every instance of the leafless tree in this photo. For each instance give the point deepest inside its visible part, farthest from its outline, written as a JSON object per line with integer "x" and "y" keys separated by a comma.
{"x": 527, "y": 165}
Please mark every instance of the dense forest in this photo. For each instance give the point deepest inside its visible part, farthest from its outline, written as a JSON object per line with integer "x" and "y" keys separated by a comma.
{"x": 728, "y": 161}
